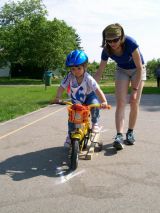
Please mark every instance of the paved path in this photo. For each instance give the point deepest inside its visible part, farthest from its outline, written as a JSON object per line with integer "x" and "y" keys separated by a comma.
{"x": 32, "y": 157}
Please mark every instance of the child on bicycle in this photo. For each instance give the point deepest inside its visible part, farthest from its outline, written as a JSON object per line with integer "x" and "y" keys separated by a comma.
{"x": 83, "y": 88}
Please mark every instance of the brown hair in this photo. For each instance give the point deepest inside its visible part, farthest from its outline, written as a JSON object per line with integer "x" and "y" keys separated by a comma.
{"x": 104, "y": 36}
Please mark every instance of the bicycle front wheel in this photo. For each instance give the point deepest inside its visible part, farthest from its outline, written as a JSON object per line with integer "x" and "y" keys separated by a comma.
{"x": 74, "y": 154}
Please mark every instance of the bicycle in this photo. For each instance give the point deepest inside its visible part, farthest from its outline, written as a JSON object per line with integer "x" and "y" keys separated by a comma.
{"x": 80, "y": 116}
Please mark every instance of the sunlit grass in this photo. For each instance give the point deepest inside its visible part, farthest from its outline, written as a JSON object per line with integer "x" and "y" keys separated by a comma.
{"x": 19, "y": 100}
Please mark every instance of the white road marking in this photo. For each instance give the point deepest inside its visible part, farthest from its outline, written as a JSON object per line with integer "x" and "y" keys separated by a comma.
{"x": 64, "y": 179}
{"x": 102, "y": 130}
{"x": 16, "y": 130}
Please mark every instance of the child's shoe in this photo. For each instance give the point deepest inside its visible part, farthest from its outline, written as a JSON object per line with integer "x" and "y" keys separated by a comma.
{"x": 118, "y": 142}
{"x": 67, "y": 142}
{"x": 95, "y": 128}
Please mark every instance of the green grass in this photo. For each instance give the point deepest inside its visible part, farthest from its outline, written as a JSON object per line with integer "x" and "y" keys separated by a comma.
{"x": 149, "y": 88}
{"x": 23, "y": 81}
{"x": 19, "y": 81}
{"x": 146, "y": 90}
{"x": 19, "y": 100}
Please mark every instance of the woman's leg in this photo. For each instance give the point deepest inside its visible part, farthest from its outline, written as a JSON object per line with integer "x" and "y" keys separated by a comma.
{"x": 121, "y": 92}
{"x": 134, "y": 107}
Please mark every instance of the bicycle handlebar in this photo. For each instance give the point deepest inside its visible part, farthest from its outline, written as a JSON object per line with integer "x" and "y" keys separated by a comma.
{"x": 62, "y": 102}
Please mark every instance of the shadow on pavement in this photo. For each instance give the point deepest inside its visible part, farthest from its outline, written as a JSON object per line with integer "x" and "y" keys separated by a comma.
{"x": 47, "y": 162}
{"x": 150, "y": 103}
{"x": 109, "y": 150}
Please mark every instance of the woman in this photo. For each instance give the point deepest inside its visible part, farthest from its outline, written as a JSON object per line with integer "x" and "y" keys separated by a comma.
{"x": 130, "y": 71}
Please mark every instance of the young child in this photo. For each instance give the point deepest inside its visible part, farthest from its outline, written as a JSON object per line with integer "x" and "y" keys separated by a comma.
{"x": 83, "y": 88}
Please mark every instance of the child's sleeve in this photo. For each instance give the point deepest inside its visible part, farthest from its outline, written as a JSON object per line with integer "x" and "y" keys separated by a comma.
{"x": 65, "y": 81}
{"x": 93, "y": 84}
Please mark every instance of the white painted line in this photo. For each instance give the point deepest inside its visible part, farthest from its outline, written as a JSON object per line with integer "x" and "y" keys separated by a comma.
{"x": 104, "y": 130}
{"x": 64, "y": 179}
{"x": 16, "y": 130}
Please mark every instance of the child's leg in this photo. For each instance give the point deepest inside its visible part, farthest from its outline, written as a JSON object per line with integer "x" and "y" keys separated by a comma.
{"x": 92, "y": 99}
{"x": 71, "y": 127}
{"x": 95, "y": 115}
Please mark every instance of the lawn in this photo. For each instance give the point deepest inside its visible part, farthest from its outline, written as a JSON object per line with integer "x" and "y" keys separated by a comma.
{"x": 19, "y": 100}
{"x": 16, "y": 100}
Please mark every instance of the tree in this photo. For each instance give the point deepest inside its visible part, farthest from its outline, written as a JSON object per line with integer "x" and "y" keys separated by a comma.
{"x": 60, "y": 39}
{"x": 92, "y": 67}
{"x": 32, "y": 42}
{"x": 12, "y": 13}
{"x": 151, "y": 67}
{"x": 14, "y": 23}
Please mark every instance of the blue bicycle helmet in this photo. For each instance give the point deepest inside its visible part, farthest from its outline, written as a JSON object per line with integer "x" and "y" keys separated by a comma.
{"x": 75, "y": 58}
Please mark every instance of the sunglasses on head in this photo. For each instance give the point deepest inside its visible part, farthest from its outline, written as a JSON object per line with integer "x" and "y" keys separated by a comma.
{"x": 113, "y": 40}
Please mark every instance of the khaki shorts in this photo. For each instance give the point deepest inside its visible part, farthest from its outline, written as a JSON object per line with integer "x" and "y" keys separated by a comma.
{"x": 128, "y": 74}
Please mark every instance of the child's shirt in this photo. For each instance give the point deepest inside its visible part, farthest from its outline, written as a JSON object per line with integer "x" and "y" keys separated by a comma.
{"x": 79, "y": 93}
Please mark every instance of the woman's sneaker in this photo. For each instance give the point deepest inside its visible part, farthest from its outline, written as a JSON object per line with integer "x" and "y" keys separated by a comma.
{"x": 130, "y": 140}
{"x": 67, "y": 142}
{"x": 118, "y": 142}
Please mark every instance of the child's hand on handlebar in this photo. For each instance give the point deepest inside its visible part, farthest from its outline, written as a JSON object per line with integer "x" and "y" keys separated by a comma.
{"x": 55, "y": 101}
{"x": 104, "y": 105}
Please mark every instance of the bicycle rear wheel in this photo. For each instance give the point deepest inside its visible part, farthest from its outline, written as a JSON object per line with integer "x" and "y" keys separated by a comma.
{"x": 74, "y": 154}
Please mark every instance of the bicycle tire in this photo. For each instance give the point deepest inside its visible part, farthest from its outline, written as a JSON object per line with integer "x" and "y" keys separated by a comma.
{"x": 74, "y": 154}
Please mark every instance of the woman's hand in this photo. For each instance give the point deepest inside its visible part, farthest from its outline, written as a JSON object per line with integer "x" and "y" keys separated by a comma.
{"x": 133, "y": 96}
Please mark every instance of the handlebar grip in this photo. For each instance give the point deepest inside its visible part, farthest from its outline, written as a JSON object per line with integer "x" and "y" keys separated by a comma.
{"x": 61, "y": 102}
{"x": 108, "y": 107}
{"x": 99, "y": 106}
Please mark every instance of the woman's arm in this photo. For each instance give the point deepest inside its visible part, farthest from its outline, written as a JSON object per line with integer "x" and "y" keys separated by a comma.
{"x": 100, "y": 70}
{"x": 139, "y": 67}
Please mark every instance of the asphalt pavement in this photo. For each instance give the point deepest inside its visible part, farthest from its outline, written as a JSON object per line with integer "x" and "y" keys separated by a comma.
{"x": 34, "y": 176}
